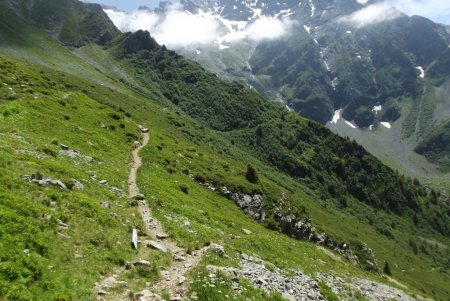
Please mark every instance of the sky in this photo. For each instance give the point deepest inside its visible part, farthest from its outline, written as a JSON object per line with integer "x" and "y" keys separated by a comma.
{"x": 436, "y": 10}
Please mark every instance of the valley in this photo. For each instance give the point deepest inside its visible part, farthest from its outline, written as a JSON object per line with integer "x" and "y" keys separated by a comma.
{"x": 321, "y": 57}
{"x": 230, "y": 194}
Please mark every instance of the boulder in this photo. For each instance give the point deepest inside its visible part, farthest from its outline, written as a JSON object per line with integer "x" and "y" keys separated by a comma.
{"x": 105, "y": 204}
{"x": 157, "y": 246}
{"x": 162, "y": 236}
{"x": 58, "y": 183}
{"x": 218, "y": 249}
{"x": 75, "y": 185}
{"x": 143, "y": 129}
{"x": 142, "y": 263}
{"x": 246, "y": 231}
{"x": 134, "y": 239}
{"x": 62, "y": 224}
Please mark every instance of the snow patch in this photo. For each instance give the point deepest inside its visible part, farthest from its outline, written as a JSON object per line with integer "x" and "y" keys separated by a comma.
{"x": 363, "y": 2}
{"x": 313, "y": 8}
{"x": 422, "y": 72}
{"x": 349, "y": 31}
{"x": 336, "y": 117}
{"x": 371, "y": 127}
{"x": 350, "y": 124}
{"x": 376, "y": 109}
{"x": 307, "y": 28}
{"x": 386, "y": 124}
{"x": 334, "y": 83}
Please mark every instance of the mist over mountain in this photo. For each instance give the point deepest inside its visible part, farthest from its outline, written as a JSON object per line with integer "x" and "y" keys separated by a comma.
{"x": 360, "y": 66}
{"x": 129, "y": 171}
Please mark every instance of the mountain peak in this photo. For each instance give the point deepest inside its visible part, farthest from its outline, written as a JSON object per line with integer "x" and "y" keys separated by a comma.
{"x": 139, "y": 40}
{"x": 71, "y": 21}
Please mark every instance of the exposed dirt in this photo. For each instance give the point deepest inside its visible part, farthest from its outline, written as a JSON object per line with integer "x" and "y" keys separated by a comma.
{"x": 173, "y": 279}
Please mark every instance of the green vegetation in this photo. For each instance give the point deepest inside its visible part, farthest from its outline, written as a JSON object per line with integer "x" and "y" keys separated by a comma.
{"x": 436, "y": 147}
{"x": 39, "y": 258}
{"x": 202, "y": 129}
{"x": 327, "y": 164}
{"x": 327, "y": 293}
{"x": 75, "y": 24}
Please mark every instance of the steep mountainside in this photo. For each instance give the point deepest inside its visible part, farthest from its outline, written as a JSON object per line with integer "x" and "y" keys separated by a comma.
{"x": 359, "y": 66}
{"x": 271, "y": 193}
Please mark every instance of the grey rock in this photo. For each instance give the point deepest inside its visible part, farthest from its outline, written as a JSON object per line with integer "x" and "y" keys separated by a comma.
{"x": 105, "y": 204}
{"x": 75, "y": 185}
{"x": 162, "y": 236}
{"x": 62, "y": 224}
{"x": 218, "y": 249}
{"x": 58, "y": 183}
{"x": 156, "y": 245}
{"x": 134, "y": 239}
{"x": 143, "y": 129}
{"x": 246, "y": 231}
{"x": 142, "y": 263}
{"x": 103, "y": 182}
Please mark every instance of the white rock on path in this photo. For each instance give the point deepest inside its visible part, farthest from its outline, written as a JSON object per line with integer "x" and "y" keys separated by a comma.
{"x": 156, "y": 245}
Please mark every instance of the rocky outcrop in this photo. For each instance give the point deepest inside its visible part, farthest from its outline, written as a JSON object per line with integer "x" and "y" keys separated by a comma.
{"x": 139, "y": 40}
{"x": 294, "y": 225}
{"x": 250, "y": 204}
{"x": 295, "y": 285}
{"x": 39, "y": 179}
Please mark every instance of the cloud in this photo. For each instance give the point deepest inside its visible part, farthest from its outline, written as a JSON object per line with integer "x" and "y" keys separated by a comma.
{"x": 268, "y": 28}
{"x": 181, "y": 29}
{"x": 436, "y": 10}
{"x": 177, "y": 28}
{"x": 132, "y": 21}
{"x": 372, "y": 14}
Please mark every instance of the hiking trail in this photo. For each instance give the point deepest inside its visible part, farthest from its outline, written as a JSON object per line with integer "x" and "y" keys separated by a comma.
{"x": 172, "y": 279}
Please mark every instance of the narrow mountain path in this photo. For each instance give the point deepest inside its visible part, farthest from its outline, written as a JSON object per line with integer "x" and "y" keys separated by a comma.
{"x": 172, "y": 281}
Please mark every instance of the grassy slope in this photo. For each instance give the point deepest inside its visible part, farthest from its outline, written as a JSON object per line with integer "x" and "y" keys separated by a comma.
{"x": 155, "y": 179}
{"x": 38, "y": 261}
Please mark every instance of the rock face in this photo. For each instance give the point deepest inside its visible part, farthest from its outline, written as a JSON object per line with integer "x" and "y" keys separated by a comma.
{"x": 250, "y": 204}
{"x": 139, "y": 40}
{"x": 298, "y": 227}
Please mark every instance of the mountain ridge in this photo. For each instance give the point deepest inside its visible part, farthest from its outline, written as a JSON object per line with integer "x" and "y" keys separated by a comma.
{"x": 209, "y": 140}
{"x": 327, "y": 63}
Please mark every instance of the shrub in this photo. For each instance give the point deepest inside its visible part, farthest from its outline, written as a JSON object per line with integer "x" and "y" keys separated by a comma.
{"x": 184, "y": 188}
{"x": 387, "y": 269}
{"x": 252, "y": 174}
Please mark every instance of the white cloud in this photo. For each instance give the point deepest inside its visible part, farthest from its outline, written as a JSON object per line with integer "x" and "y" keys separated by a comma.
{"x": 371, "y": 14}
{"x": 177, "y": 28}
{"x": 132, "y": 21}
{"x": 436, "y": 10}
{"x": 267, "y": 28}
{"x": 180, "y": 29}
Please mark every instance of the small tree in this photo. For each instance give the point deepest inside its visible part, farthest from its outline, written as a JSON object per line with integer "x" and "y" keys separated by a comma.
{"x": 252, "y": 174}
{"x": 387, "y": 269}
